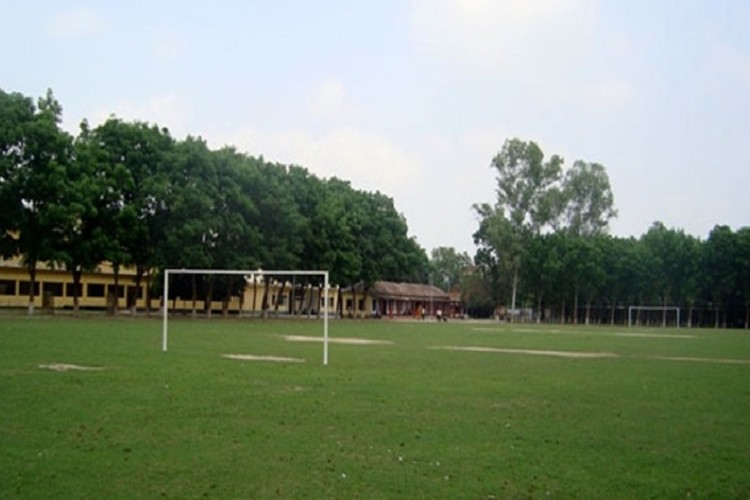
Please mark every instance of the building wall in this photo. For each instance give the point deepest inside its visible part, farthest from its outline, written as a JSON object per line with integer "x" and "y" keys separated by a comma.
{"x": 55, "y": 289}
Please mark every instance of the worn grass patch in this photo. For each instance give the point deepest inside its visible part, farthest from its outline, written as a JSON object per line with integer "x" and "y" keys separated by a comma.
{"x": 395, "y": 420}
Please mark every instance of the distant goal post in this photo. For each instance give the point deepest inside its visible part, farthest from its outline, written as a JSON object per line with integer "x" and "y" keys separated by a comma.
{"x": 253, "y": 274}
{"x": 650, "y": 309}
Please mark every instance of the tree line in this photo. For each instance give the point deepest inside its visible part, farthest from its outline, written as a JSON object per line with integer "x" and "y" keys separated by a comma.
{"x": 544, "y": 250}
{"x": 130, "y": 194}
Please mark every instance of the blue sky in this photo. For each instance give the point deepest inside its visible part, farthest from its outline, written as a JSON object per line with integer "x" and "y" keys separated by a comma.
{"x": 414, "y": 98}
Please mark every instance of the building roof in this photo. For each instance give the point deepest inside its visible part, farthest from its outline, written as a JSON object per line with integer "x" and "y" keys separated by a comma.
{"x": 388, "y": 290}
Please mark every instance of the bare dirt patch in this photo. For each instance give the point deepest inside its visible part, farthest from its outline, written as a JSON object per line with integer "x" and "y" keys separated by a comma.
{"x": 723, "y": 361}
{"x": 654, "y": 335}
{"x": 255, "y": 357}
{"x": 533, "y": 352}
{"x": 336, "y": 340}
{"x": 598, "y": 334}
{"x": 64, "y": 367}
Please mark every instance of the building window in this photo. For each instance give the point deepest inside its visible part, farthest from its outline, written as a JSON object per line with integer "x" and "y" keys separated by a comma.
{"x": 54, "y": 289}
{"x": 95, "y": 290}
{"x": 361, "y": 305}
{"x": 7, "y": 287}
{"x": 25, "y": 288}
{"x": 119, "y": 291}
{"x": 72, "y": 290}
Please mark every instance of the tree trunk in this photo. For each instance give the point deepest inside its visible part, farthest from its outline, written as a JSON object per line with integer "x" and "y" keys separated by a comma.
{"x": 227, "y": 298}
{"x": 116, "y": 273}
{"x": 320, "y": 301}
{"x": 133, "y": 305}
{"x": 255, "y": 295}
{"x": 194, "y": 298}
{"x": 539, "y": 309}
{"x": 147, "y": 292}
{"x": 562, "y": 312}
{"x": 513, "y": 295}
{"x": 264, "y": 301}
{"x": 612, "y": 308}
{"x": 716, "y": 319}
{"x": 588, "y": 313}
{"x": 76, "y": 290}
{"x": 575, "y": 307}
{"x": 209, "y": 297}
{"x": 278, "y": 299}
{"x": 32, "y": 286}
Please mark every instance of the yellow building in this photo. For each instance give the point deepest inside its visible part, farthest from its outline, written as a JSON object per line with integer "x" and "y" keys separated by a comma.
{"x": 54, "y": 287}
{"x": 54, "y": 290}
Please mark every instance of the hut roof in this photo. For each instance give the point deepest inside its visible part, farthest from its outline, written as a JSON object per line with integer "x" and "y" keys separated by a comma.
{"x": 388, "y": 290}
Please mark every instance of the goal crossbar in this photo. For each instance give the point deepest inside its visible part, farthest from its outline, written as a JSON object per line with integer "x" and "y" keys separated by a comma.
{"x": 652, "y": 308}
{"x": 253, "y": 274}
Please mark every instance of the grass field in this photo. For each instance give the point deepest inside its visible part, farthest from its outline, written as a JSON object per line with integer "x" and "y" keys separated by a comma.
{"x": 660, "y": 414}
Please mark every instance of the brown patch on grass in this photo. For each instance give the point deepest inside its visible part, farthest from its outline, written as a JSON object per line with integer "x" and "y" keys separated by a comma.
{"x": 533, "y": 352}
{"x": 64, "y": 367}
{"x": 723, "y": 361}
{"x": 336, "y": 340}
{"x": 254, "y": 357}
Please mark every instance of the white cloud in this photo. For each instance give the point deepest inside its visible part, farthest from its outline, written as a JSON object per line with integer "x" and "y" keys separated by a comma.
{"x": 168, "y": 110}
{"x": 330, "y": 102}
{"x": 368, "y": 160}
{"x": 76, "y": 22}
{"x": 497, "y": 35}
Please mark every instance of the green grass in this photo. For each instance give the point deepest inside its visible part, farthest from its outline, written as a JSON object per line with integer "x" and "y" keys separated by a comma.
{"x": 385, "y": 421}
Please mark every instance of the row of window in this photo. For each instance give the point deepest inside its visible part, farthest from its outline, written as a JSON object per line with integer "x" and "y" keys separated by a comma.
{"x": 22, "y": 289}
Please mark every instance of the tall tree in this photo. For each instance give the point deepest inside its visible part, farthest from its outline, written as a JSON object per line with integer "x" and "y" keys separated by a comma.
{"x": 743, "y": 270}
{"x": 16, "y": 113}
{"x": 588, "y": 199}
{"x": 86, "y": 190}
{"x": 528, "y": 199}
{"x": 138, "y": 153}
{"x": 34, "y": 167}
{"x": 448, "y": 266}
{"x": 720, "y": 271}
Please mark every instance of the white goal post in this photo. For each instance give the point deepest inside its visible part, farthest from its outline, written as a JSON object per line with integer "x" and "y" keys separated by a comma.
{"x": 253, "y": 275}
{"x": 662, "y": 309}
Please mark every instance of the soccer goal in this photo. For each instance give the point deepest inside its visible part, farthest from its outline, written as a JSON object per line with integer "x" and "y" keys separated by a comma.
{"x": 653, "y": 315}
{"x": 251, "y": 276}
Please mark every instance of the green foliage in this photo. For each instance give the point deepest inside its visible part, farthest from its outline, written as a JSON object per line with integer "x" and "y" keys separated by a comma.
{"x": 448, "y": 267}
{"x": 130, "y": 194}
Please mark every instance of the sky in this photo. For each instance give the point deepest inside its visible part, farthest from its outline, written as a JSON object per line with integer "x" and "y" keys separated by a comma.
{"x": 415, "y": 98}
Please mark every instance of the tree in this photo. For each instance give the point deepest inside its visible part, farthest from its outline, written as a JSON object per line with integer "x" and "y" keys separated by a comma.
{"x": 36, "y": 153}
{"x": 719, "y": 270}
{"x": 588, "y": 199}
{"x": 447, "y": 267}
{"x": 674, "y": 262}
{"x": 16, "y": 113}
{"x": 528, "y": 199}
{"x": 743, "y": 269}
{"x": 138, "y": 153}
{"x": 83, "y": 240}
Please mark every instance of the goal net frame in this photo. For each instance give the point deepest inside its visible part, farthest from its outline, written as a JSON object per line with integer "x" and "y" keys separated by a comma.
{"x": 652, "y": 308}
{"x": 253, "y": 275}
